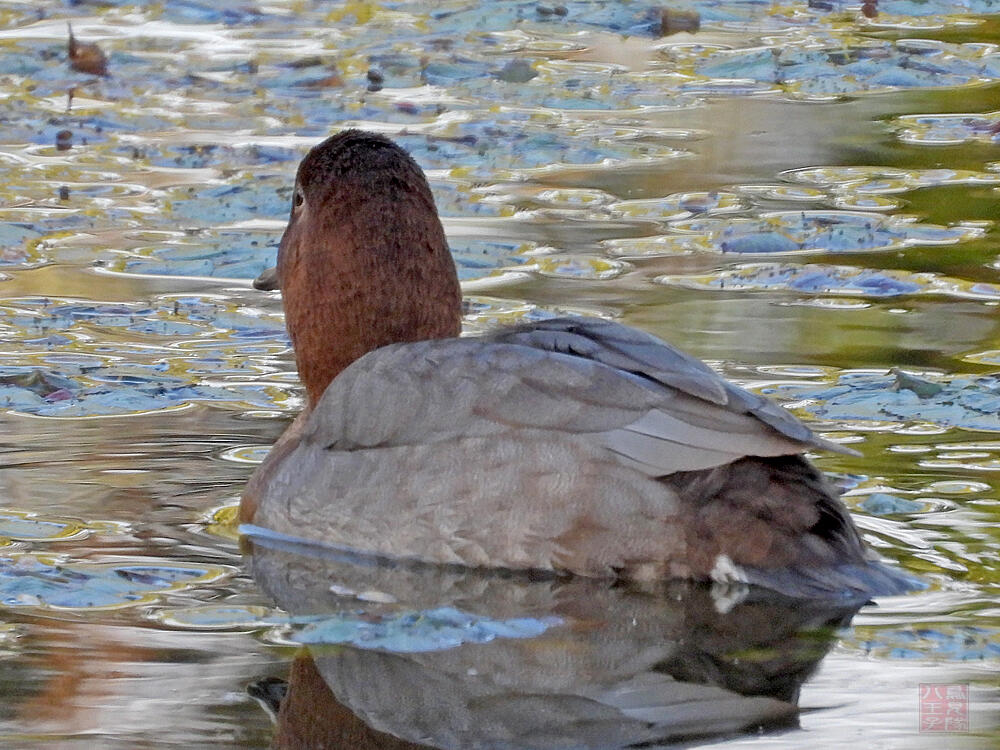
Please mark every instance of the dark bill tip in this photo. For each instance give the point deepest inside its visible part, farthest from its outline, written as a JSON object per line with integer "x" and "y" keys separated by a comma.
{"x": 267, "y": 281}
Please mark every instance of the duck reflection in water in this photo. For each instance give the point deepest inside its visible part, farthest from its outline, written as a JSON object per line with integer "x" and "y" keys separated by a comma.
{"x": 607, "y": 665}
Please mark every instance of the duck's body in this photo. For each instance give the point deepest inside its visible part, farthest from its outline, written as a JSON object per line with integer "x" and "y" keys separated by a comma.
{"x": 572, "y": 445}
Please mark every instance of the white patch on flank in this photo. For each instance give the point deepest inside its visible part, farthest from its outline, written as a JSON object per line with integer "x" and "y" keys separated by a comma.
{"x": 729, "y": 584}
{"x": 726, "y": 571}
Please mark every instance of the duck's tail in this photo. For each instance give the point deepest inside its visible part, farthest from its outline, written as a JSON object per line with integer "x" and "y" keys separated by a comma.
{"x": 848, "y": 582}
{"x": 776, "y": 522}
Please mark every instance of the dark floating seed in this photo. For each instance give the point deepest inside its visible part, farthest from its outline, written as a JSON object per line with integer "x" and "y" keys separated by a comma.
{"x": 673, "y": 21}
{"x": 64, "y": 140}
{"x": 63, "y": 193}
{"x": 305, "y": 62}
{"x": 375, "y": 76}
{"x": 516, "y": 71}
{"x": 546, "y": 11}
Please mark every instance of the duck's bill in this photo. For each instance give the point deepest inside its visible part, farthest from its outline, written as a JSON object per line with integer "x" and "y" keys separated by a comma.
{"x": 267, "y": 281}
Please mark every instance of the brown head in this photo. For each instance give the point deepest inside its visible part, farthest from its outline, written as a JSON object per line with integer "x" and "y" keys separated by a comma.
{"x": 363, "y": 262}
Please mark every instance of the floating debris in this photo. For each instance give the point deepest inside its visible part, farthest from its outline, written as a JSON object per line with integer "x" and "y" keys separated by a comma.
{"x": 44, "y": 582}
{"x": 676, "y": 20}
{"x": 547, "y": 11}
{"x": 52, "y": 369}
{"x": 329, "y": 81}
{"x": 947, "y": 130}
{"x": 820, "y": 279}
{"x": 516, "y": 71}
{"x": 580, "y": 267}
{"x": 966, "y": 401}
{"x": 680, "y": 206}
{"x": 86, "y": 57}
{"x": 920, "y": 386}
{"x": 22, "y": 526}
{"x": 793, "y": 232}
{"x": 220, "y": 617}
{"x": 945, "y": 643}
{"x": 884, "y": 504}
{"x": 412, "y": 632}
{"x": 64, "y": 140}
{"x": 872, "y": 180}
{"x": 807, "y": 68}
{"x": 375, "y": 79}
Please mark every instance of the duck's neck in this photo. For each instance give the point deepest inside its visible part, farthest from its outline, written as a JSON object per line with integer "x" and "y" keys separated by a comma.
{"x": 394, "y": 284}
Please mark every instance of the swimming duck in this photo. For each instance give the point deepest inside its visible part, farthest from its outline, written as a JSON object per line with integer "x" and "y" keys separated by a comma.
{"x": 567, "y": 446}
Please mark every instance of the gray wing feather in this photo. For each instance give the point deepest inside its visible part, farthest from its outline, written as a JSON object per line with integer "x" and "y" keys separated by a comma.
{"x": 656, "y": 408}
{"x": 634, "y": 351}
{"x": 624, "y": 348}
{"x": 659, "y": 457}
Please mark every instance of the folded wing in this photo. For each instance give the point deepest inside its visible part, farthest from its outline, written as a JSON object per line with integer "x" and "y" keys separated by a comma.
{"x": 652, "y": 406}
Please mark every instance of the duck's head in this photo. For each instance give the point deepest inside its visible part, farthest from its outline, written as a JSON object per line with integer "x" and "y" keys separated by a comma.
{"x": 363, "y": 262}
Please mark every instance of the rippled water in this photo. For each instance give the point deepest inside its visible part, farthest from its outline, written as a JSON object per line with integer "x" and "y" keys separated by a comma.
{"x": 803, "y": 194}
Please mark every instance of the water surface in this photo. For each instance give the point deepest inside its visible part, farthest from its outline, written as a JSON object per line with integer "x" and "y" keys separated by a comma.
{"x": 802, "y": 194}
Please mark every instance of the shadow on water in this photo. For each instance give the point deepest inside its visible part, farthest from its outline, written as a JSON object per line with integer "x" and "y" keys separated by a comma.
{"x": 425, "y": 657}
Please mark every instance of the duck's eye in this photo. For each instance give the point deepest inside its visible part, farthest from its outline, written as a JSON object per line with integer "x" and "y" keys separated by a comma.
{"x": 299, "y": 199}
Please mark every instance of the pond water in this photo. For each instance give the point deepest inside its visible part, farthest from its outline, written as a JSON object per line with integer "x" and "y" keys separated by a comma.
{"x": 802, "y": 194}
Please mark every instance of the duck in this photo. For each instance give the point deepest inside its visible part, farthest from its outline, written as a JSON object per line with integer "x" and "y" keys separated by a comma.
{"x": 565, "y": 446}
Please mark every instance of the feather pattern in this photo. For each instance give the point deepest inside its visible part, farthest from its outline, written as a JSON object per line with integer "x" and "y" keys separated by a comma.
{"x": 571, "y": 445}
{"x": 625, "y": 389}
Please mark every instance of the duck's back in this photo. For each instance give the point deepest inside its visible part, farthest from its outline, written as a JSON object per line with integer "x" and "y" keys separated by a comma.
{"x": 571, "y": 445}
